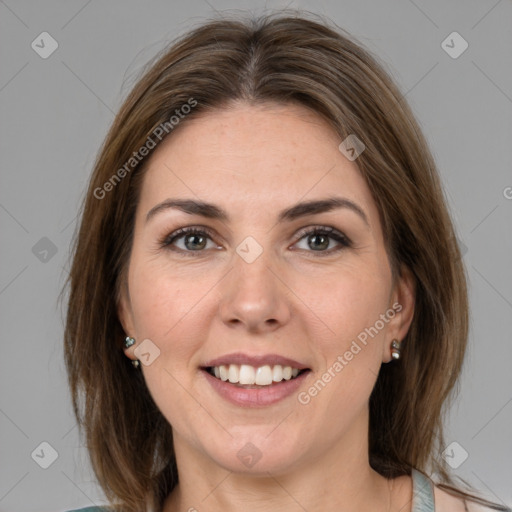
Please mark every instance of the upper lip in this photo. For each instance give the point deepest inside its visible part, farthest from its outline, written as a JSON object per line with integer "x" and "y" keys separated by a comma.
{"x": 255, "y": 360}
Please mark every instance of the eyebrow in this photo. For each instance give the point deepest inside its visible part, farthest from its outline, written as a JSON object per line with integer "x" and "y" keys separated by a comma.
{"x": 297, "y": 211}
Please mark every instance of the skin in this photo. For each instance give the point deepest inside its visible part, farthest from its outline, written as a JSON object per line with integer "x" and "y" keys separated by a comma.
{"x": 293, "y": 300}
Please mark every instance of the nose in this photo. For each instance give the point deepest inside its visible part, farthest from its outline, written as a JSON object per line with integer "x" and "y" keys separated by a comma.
{"x": 254, "y": 298}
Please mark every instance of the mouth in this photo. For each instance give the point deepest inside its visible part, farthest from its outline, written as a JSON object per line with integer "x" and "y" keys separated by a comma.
{"x": 254, "y": 377}
{"x": 260, "y": 380}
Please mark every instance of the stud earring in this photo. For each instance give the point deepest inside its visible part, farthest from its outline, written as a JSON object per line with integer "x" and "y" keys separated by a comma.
{"x": 395, "y": 349}
{"x": 128, "y": 342}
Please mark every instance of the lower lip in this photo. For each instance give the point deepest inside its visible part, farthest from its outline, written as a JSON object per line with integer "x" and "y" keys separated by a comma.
{"x": 255, "y": 397}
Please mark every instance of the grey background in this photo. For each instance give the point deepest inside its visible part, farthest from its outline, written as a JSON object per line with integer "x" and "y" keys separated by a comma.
{"x": 55, "y": 112}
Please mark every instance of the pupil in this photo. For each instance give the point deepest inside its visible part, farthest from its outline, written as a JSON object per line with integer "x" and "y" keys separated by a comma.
{"x": 195, "y": 242}
{"x": 319, "y": 242}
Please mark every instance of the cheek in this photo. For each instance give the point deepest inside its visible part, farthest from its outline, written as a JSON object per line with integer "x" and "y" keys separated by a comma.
{"x": 348, "y": 302}
{"x": 350, "y": 350}
{"x": 166, "y": 308}
{"x": 357, "y": 305}
{"x": 162, "y": 297}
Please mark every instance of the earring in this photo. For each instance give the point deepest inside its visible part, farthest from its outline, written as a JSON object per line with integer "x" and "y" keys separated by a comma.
{"x": 128, "y": 342}
{"x": 395, "y": 349}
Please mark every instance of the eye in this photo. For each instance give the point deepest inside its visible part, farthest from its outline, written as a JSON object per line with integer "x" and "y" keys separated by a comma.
{"x": 319, "y": 239}
{"x": 189, "y": 240}
{"x": 322, "y": 239}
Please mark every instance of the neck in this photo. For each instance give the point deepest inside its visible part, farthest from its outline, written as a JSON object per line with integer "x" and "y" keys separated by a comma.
{"x": 340, "y": 479}
{"x": 283, "y": 493}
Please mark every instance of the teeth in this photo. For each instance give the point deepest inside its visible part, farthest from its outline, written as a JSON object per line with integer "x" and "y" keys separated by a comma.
{"x": 233, "y": 373}
{"x": 247, "y": 375}
{"x": 277, "y": 373}
{"x": 223, "y": 371}
{"x": 263, "y": 376}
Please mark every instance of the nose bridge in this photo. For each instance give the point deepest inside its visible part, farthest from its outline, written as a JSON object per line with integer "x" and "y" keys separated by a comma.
{"x": 252, "y": 295}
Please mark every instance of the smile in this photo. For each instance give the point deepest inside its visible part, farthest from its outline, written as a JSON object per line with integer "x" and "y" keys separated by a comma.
{"x": 247, "y": 375}
{"x": 255, "y": 380}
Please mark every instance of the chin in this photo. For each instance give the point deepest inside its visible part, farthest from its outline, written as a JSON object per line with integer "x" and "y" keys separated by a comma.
{"x": 259, "y": 453}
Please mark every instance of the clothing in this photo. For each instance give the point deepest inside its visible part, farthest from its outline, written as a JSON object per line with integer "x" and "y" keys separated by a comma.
{"x": 422, "y": 492}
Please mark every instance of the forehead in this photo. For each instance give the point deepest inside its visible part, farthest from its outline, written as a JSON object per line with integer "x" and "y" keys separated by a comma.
{"x": 259, "y": 158}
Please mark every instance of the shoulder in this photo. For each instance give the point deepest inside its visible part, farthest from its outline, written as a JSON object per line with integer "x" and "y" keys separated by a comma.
{"x": 446, "y": 502}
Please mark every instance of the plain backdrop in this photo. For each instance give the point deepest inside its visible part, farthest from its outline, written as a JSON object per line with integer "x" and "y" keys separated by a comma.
{"x": 55, "y": 112}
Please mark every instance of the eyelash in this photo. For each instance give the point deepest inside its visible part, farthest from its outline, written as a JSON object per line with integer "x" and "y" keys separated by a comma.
{"x": 343, "y": 241}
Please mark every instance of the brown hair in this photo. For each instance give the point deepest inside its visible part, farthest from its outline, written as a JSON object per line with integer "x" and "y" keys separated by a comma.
{"x": 283, "y": 59}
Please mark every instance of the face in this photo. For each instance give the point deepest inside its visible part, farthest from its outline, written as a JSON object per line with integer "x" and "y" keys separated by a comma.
{"x": 258, "y": 256}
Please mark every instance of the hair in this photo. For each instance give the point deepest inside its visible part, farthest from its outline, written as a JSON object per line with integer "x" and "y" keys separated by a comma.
{"x": 274, "y": 59}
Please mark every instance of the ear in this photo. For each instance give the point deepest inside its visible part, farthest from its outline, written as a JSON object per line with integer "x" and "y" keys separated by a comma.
{"x": 402, "y": 301}
{"x": 125, "y": 315}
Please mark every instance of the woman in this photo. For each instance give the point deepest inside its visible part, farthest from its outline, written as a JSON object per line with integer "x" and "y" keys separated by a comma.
{"x": 265, "y": 238}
